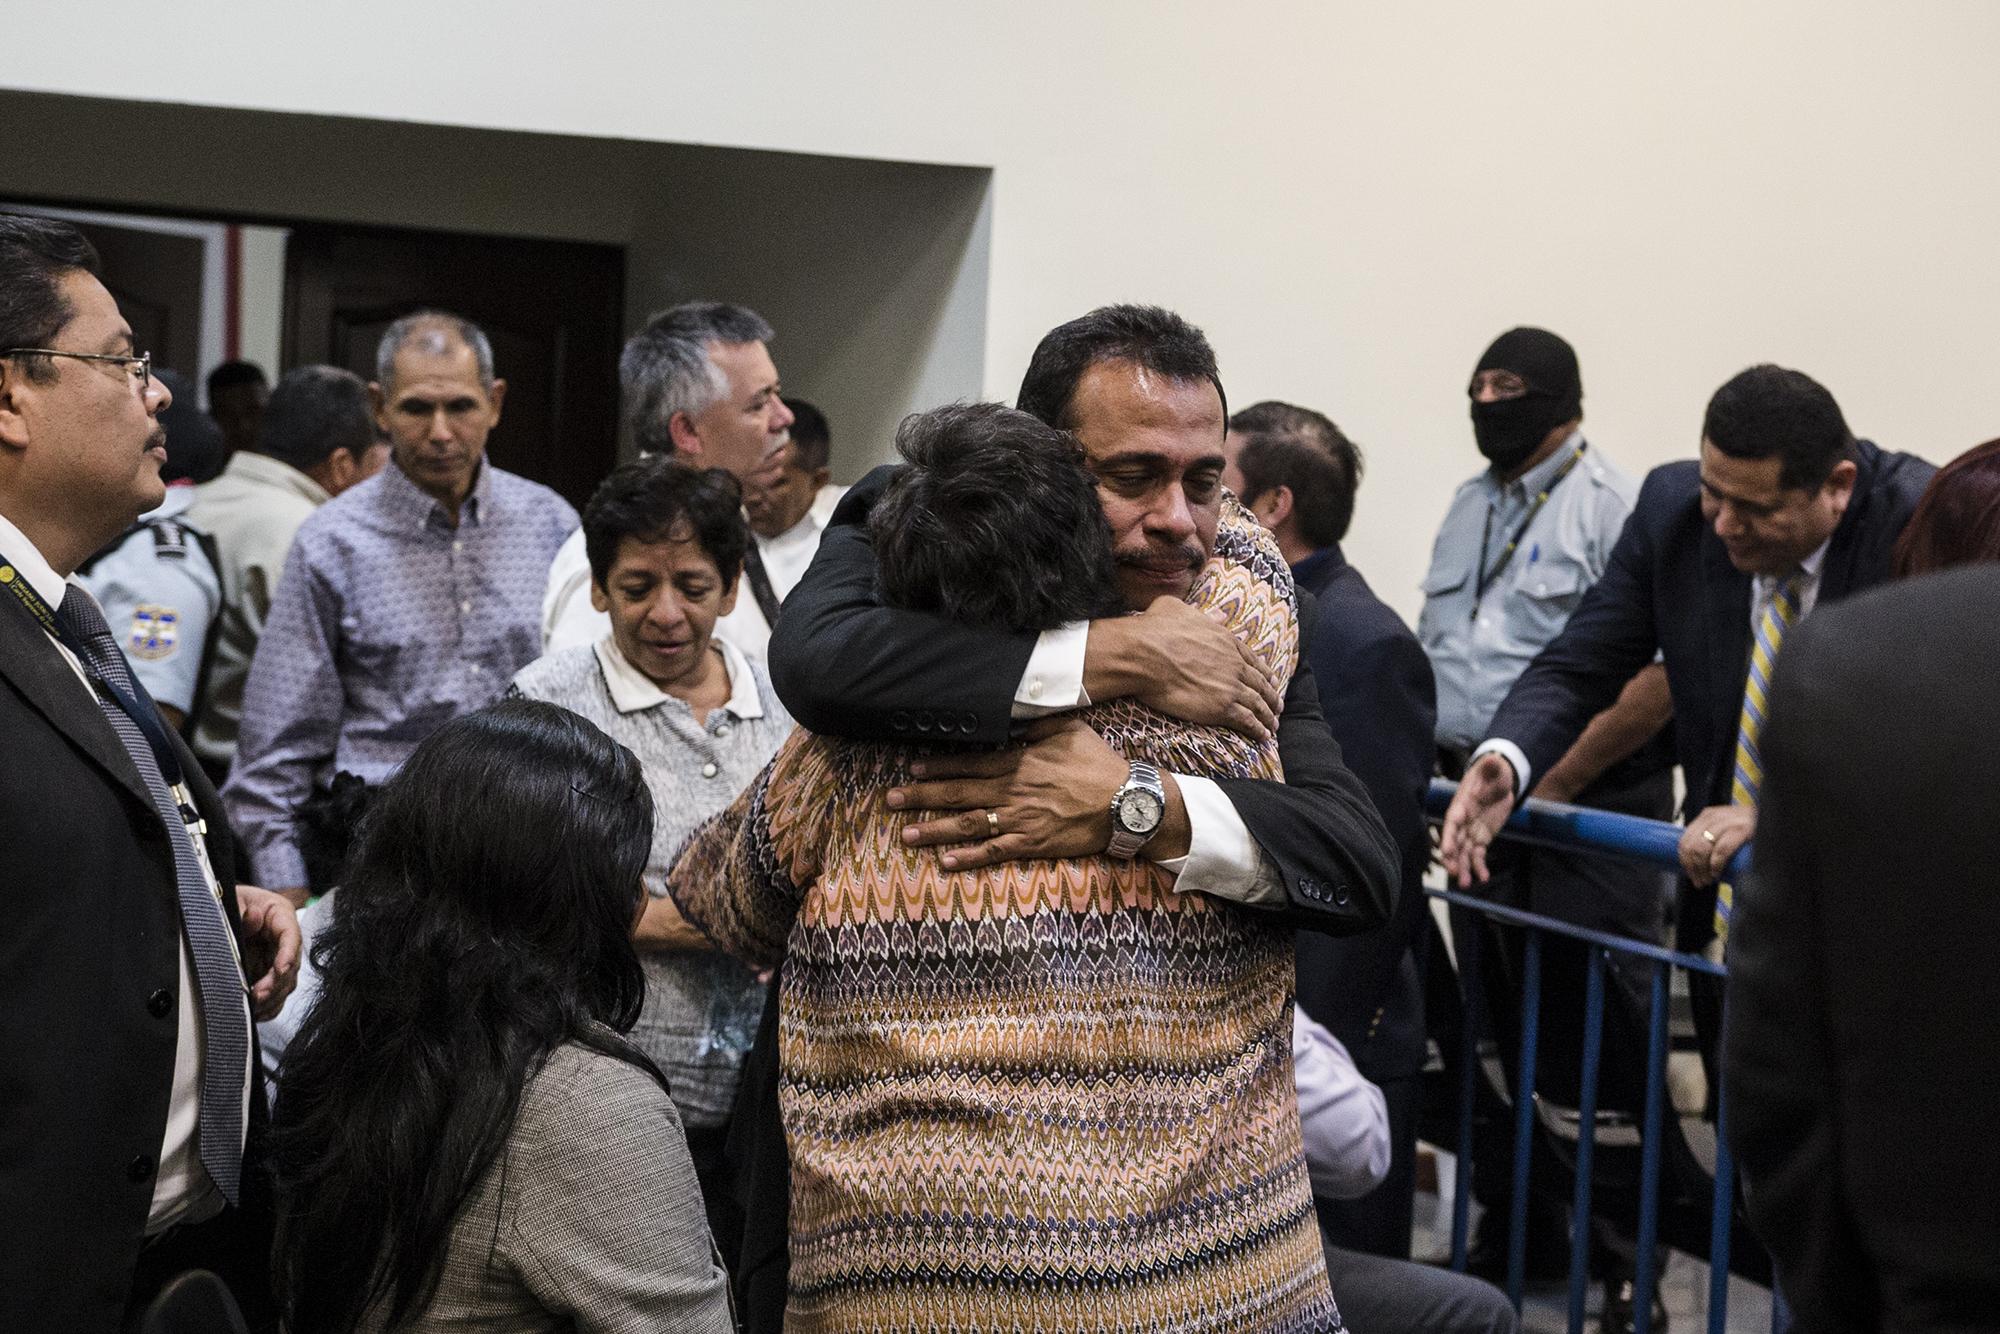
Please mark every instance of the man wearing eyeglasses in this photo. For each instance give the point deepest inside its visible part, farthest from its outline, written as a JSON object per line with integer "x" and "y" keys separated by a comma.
{"x": 132, "y": 964}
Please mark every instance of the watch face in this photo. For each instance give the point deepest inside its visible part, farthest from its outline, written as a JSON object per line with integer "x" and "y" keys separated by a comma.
{"x": 1140, "y": 811}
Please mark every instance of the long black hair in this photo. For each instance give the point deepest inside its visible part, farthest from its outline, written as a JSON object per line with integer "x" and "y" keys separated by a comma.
{"x": 486, "y": 920}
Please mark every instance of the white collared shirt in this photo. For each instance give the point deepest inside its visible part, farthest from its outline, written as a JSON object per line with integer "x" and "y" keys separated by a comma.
{"x": 631, "y": 690}
{"x": 787, "y": 555}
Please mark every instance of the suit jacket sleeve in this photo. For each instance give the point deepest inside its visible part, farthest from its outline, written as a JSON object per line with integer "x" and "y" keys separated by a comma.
{"x": 1319, "y": 827}
{"x": 1609, "y": 637}
{"x": 1777, "y": 1051}
{"x": 845, "y": 665}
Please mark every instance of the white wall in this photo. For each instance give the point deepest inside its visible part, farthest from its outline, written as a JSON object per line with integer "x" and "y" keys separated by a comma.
{"x": 1351, "y": 198}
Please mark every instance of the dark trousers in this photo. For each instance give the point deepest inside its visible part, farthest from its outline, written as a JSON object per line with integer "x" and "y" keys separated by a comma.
{"x": 1381, "y": 1296}
{"x": 235, "y": 1245}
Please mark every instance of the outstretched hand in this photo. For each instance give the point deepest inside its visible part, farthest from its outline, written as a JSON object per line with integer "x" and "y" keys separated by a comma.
{"x": 1479, "y": 810}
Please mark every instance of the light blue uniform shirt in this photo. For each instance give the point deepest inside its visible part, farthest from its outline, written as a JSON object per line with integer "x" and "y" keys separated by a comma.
{"x": 1479, "y": 645}
{"x": 160, "y": 594}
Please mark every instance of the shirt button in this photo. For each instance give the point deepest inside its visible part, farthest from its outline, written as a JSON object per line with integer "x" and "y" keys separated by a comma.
{"x": 458, "y": 546}
{"x": 465, "y": 607}
{"x": 722, "y": 729}
{"x": 708, "y": 770}
{"x": 140, "y": 1168}
{"x": 160, "y": 1004}
{"x": 1035, "y": 688}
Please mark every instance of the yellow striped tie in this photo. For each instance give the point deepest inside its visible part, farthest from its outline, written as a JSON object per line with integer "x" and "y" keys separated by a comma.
{"x": 1749, "y": 775}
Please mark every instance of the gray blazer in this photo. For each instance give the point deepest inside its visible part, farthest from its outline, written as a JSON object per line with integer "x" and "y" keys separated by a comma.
{"x": 589, "y": 1220}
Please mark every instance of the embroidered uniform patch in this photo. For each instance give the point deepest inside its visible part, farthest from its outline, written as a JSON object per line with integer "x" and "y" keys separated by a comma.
{"x": 156, "y": 632}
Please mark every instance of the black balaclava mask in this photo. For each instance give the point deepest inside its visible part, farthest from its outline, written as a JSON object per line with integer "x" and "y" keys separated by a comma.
{"x": 1509, "y": 431}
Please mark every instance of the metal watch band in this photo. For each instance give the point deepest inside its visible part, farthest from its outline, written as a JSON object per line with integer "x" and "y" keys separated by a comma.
{"x": 1127, "y": 842}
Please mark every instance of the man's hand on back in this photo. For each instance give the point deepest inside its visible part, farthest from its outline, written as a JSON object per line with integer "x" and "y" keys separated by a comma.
{"x": 1051, "y": 798}
{"x": 1481, "y": 806}
{"x": 1181, "y": 662}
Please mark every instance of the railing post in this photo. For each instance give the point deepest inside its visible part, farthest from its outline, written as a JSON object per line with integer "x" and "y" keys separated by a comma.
{"x": 1644, "y": 1278}
{"x": 1586, "y": 1132}
{"x": 1524, "y": 1116}
{"x": 1722, "y": 1214}
{"x": 1468, "y": 1075}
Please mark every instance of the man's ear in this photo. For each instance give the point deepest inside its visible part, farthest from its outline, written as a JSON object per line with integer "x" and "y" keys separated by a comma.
{"x": 378, "y": 403}
{"x": 680, "y": 429}
{"x": 1273, "y": 507}
{"x": 14, "y": 389}
{"x": 821, "y": 476}
{"x": 496, "y": 394}
{"x": 1839, "y": 486}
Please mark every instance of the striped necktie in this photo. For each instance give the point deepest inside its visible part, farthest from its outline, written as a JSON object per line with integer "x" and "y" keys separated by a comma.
{"x": 218, "y": 976}
{"x": 1749, "y": 775}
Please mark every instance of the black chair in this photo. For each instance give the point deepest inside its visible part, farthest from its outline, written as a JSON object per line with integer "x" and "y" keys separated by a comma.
{"x": 195, "y": 1303}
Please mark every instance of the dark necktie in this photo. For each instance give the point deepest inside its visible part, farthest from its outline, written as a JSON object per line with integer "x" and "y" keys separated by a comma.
{"x": 218, "y": 976}
{"x": 760, "y": 583}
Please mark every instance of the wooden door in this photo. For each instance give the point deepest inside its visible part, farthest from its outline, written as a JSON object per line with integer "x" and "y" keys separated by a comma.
{"x": 552, "y": 309}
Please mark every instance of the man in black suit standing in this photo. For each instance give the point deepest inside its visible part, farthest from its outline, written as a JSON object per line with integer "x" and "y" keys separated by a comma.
{"x": 1785, "y": 511}
{"x": 1298, "y": 473}
{"x": 1862, "y": 1050}
{"x": 127, "y": 1109}
{"x": 1138, "y": 387}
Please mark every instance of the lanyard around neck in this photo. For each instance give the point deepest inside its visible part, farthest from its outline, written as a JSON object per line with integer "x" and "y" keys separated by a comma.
{"x": 1486, "y": 580}
{"x": 139, "y": 706}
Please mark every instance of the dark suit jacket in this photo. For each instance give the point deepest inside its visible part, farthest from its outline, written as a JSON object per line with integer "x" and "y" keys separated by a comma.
{"x": 847, "y": 666}
{"x": 1862, "y": 1044}
{"x": 1381, "y": 705}
{"x": 1670, "y": 588}
{"x": 89, "y": 976}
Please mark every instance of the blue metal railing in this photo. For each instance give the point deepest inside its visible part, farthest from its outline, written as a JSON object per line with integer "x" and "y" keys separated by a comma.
{"x": 1578, "y": 829}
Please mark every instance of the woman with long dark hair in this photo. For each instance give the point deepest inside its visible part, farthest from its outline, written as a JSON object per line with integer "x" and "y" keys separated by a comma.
{"x": 463, "y": 1137}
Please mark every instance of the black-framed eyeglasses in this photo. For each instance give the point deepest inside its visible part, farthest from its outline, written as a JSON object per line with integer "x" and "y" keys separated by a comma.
{"x": 140, "y": 365}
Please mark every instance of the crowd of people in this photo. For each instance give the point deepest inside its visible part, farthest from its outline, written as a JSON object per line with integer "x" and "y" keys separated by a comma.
{"x": 988, "y": 897}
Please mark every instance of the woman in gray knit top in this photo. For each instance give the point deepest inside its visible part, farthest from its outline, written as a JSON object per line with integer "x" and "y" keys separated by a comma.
{"x": 665, "y": 542}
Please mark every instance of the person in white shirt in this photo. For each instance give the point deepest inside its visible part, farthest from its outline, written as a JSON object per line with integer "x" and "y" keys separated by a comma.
{"x": 697, "y": 381}
{"x": 1344, "y": 1122}
{"x": 788, "y": 501}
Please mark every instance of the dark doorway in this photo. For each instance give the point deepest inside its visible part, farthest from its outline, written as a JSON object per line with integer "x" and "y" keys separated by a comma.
{"x": 157, "y": 279}
{"x": 553, "y": 310}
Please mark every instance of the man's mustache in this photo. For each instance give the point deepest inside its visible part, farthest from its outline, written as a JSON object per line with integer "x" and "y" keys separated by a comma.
{"x": 1164, "y": 560}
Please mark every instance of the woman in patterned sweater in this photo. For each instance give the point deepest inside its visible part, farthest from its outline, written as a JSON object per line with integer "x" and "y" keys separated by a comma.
{"x": 1049, "y": 1094}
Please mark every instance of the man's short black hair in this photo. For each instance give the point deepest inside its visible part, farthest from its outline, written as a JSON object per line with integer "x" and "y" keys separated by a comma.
{"x": 35, "y": 255}
{"x": 230, "y": 374}
{"x": 1146, "y": 336}
{"x": 812, "y": 438}
{"x": 1771, "y": 412}
{"x": 995, "y": 522}
{"x": 313, "y": 411}
{"x": 658, "y": 498}
{"x": 1286, "y": 445}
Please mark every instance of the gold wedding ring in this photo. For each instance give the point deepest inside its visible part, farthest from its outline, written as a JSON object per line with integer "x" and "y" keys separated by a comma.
{"x": 993, "y": 822}
{"x": 1708, "y": 834}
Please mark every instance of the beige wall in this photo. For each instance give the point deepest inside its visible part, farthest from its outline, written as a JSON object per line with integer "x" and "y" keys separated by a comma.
{"x": 1351, "y": 198}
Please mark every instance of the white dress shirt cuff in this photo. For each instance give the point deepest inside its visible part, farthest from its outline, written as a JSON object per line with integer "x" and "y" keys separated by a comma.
{"x": 1222, "y": 859}
{"x": 1054, "y": 679}
{"x": 1511, "y": 753}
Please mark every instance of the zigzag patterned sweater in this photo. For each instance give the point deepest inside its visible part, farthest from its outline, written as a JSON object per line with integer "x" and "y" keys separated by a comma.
{"x": 1049, "y": 1095}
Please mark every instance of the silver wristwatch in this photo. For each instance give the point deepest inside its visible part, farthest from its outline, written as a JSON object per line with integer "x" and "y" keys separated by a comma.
{"x": 1137, "y": 809}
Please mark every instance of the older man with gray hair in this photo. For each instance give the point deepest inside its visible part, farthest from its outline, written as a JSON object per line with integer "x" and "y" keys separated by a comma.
{"x": 697, "y": 381}
{"x": 406, "y": 601}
